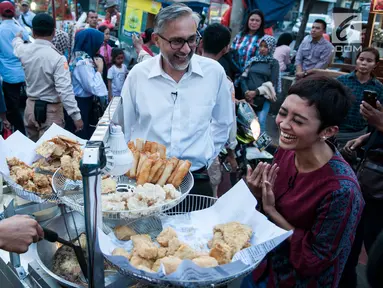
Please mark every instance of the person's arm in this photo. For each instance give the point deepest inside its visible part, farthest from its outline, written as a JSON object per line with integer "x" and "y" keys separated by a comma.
{"x": 91, "y": 81}
{"x": 18, "y": 46}
{"x": 298, "y": 60}
{"x": 128, "y": 94}
{"x": 222, "y": 116}
{"x": 287, "y": 56}
{"x": 110, "y": 79}
{"x": 326, "y": 72}
{"x": 325, "y": 58}
{"x": 63, "y": 86}
{"x": 313, "y": 251}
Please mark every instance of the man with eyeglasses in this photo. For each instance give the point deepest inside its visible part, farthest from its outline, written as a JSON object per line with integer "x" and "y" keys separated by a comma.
{"x": 180, "y": 99}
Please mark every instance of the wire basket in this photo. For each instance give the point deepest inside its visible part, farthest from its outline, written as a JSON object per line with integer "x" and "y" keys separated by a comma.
{"x": 153, "y": 226}
{"x": 29, "y": 195}
{"x": 124, "y": 184}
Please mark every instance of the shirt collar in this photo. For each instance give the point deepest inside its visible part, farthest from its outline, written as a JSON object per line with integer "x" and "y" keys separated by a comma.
{"x": 319, "y": 42}
{"x": 194, "y": 67}
{"x": 8, "y": 21}
{"x": 371, "y": 81}
{"x": 43, "y": 42}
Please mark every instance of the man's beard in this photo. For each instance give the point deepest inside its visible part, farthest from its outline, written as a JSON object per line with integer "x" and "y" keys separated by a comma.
{"x": 179, "y": 67}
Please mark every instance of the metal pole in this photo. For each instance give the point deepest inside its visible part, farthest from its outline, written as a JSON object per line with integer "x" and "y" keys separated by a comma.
{"x": 236, "y": 17}
{"x": 54, "y": 11}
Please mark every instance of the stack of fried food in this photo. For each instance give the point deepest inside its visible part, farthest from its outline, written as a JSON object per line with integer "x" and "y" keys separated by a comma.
{"x": 60, "y": 151}
{"x": 24, "y": 175}
{"x": 151, "y": 166}
{"x": 146, "y": 255}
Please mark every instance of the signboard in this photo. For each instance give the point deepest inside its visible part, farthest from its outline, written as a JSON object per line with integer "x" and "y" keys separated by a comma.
{"x": 133, "y": 19}
{"x": 148, "y": 6}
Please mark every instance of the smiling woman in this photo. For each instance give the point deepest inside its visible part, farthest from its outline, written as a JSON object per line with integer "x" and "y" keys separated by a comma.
{"x": 309, "y": 189}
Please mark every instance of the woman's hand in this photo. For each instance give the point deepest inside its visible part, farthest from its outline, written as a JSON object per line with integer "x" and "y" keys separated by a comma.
{"x": 250, "y": 95}
{"x": 254, "y": 179}
{"x": 373, "y": 116}
{"x": 269, "y": 176}
{"x": 99, "y": 64}
{"x": 354, "y": 144}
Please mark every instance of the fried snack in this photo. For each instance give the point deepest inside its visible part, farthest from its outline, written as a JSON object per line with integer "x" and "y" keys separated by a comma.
{"x": 222, "y": 253}
{"x": 46, "y": 149}
{"x": 181, "y": 173}
{"x": 162, "y": 150}
{"x": 162, "y": 252}
{"x": 108, "y": 185}
{"x": 68, "y": 140}
{"x": 77, "y": 155}
{"x": 165, "y": 236}
{"x": 156, "y": 166}
{"x": 59, "y": 151}
{"x": 138, "y": 261}
{"x": 170, "y": 263}
{"x": 166, "y": 174}
{"x": 41, "y": 180}
{"x": 235, "y": 234}
{"x": 205, "y": 261}
{"x": 136, "y": 159}
{"x": 159, "y": 172}
{"x": 154, "y": 147}
{"x": 171, "y": 178}
{"x": 15, "y": 162}
{"x": 124, "y": 233}
{"x": 143, "y": 157}
{"x": 173, "y": 246}
{"x": 66, "y": 167}
{"x": 144, "y": 247}
{"x": 217, "y": 238}
{"x": 121, "y": 252}
{"x": 143, "y": 176}
{"x": 155, "y": 156}
{"x": 45, "y": 190}
{"x": 76, "y": 170}
{"x": 144, "y": 268}
{"x": 131, "y": 146}
{"x": 24, "y": 174}
{"x": 140, "y": 144}
{"x": 148, "y": 146}
{"x": 30, "y": 186}
{"x": 186, "y": 252}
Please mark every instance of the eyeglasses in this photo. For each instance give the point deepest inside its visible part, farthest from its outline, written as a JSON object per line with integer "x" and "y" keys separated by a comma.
{"x": 178, "y": 43}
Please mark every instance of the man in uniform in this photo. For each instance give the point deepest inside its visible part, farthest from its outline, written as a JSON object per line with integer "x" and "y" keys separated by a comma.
{"x": 49, "y": 85}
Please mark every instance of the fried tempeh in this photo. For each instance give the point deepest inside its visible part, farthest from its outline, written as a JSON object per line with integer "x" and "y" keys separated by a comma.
{"x": 143, "y": 176}
{"x": 159, "y": 172}
{"x": 181, "y": 173}
{"x": 131, "y": 146}
{"x": 136, "y": 159}
{"x": 155, "y": 156}
{"x": 162, "y": 150}
{"x": 148, "y": 146}
{"x": 171, "y": 178}
{"x": 156, "y": 166}
{"x": 154, "y": 147}
{"x": 166, "y": 174}
{"x": 140, "y": 144}
{"x": 143, "y": 157}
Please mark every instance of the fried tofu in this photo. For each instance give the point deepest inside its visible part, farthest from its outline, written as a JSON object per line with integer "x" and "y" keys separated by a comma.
{"x": 235, "y": 234}
{"x": 144, "y": 247}
{"x": 170, "y": 263}
{"x": 165, "y": 236}
{"x": 205, "y": 261}
{"x": 186, "y": 252}
{"x": 222, "y": 253}
{"x": 124, "y": 233}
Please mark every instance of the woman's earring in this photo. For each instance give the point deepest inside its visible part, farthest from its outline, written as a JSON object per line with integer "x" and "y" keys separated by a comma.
{"x": 323, "y": 138}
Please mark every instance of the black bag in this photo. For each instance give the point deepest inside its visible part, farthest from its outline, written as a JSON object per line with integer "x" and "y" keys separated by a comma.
{"x": 96, "y": 112}
{"x": 258, "y": 103}
{"x": 40, "y": 111}
{"x": 370, "y": 174}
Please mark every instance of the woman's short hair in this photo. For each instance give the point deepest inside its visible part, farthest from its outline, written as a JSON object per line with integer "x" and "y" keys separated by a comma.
{"x": 285, "y": 39}
{"x": 330, "y": 97}
{"x": 103, "y": 28}
{"x": 261, "y": 30}
{"x": 371, "y": 50}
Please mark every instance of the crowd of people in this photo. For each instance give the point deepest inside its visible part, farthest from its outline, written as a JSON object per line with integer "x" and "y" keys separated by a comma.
{"x": 185, "y": 97}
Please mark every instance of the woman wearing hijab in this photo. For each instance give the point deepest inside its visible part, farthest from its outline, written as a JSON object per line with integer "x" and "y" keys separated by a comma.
{"x": 261, "y": 79}
{"x": 87, "y": 75}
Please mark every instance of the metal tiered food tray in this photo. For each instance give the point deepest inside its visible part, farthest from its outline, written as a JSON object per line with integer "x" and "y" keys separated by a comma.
{"x": 152, "y": 226}
{"x": 124, "y": 184}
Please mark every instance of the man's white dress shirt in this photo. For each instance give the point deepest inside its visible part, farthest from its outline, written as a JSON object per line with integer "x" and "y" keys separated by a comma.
{"x": 192, "y": 117}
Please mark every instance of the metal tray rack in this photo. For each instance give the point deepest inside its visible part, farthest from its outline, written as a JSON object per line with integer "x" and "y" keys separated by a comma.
{"x": 124, "y": 184}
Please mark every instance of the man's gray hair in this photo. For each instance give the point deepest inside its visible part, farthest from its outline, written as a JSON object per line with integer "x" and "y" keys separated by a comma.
{"x": 172, "y": 13}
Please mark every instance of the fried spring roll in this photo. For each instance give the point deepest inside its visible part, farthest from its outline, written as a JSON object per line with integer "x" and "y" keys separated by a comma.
{"x": 154, "y": 147}
{"x": 131, "y": 146}
{"x": 166, "y": 174}
{"x": 181, "y": 173}
{"x": 156, "y": 166}
{"x": 162, "y": 150}
{"x": 136, "y": 159}
{"x": 140, "y": 144}
{"x": 171, "y": 178}
{"x": 155, "y": 156}
{"x": 148, "y": 146}
{"x": 144, "y": 172}
{"x": 143, "y": 157}
{"x": 159, "y": 172}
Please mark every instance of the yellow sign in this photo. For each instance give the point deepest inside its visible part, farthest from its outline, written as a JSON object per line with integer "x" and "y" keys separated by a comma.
{"x": 133, "y": 19}
{"x": 149, "y": 6}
